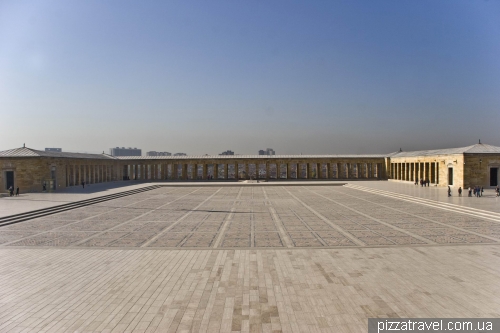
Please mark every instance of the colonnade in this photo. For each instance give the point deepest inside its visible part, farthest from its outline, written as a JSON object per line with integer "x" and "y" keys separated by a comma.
{"x": 185, "y": 170}
{"x": 415, "y": 171}
{"x": 92, "y": 174}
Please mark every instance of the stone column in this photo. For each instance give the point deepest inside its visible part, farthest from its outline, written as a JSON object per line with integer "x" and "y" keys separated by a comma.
{"x": 226, "y": 171}
{"x": 175, "y": 171}
{"x": 436, "y": 177}
{"x": 216, "y": 171}
{"x": 184, "y": 171}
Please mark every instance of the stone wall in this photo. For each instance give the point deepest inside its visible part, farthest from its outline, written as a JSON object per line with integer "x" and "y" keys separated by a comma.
{"x": 478, "y": 167}
{"x": 30, "y": 173}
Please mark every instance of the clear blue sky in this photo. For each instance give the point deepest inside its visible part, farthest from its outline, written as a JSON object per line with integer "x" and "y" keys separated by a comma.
{"x": 317, "y": 77}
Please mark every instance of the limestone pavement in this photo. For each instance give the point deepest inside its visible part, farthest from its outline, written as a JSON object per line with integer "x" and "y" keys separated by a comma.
{"x": 249, "y": 259}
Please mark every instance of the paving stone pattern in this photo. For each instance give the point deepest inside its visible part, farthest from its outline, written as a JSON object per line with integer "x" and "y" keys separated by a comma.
{"x": 233, "y": 259}
{"x": 252, "y": 217}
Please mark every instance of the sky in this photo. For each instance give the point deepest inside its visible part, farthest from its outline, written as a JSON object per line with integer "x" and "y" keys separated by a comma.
{"x": 201, "y": 77}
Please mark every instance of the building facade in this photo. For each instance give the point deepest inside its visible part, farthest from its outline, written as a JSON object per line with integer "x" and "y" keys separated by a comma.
{"x": 476, "y": 165}
{"x": 268, "y": 151}
{"x": 125, "y": 151}
{"x": 31, "y": 169}
{"x": 158, "y": 153}
{"x": 227, "y": 152}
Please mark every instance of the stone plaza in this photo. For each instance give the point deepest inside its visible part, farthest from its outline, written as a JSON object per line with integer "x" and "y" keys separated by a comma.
{"x": 215, "y": 257}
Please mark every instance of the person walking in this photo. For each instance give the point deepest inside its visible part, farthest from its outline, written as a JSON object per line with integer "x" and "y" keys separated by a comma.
{"x": 428, "y": 182}
{"x": 83, "y": 184}
{"x": 11, "y": 191}
{"x": 17, "y": 191}
{"x": 482, "y": 190}
{"x": 460, "y": 191}
{"x": 449, "y": 191}
{"x": 497, "y": 190}
{"x": 470, "y": 192}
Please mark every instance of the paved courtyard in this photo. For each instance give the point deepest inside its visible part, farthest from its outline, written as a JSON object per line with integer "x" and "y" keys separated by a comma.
{"x": 248, "y": 259}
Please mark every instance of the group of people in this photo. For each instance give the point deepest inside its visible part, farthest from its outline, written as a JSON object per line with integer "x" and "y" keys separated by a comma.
{"x": 423, "y": 182}
{"x": 477, "y": 191}
{"x": 11, "y": 191}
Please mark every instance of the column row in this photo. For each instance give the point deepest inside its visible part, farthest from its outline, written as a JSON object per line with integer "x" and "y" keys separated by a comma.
{"x": 193, "y": 171}
{"x": 91, "y": 174}
{"x": 416, "y": 171}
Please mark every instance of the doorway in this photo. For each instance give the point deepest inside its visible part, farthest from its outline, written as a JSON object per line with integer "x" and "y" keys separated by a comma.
{"x": 450, "y": 176}
{"x": 493, "y": 176}
{"x": 9, "y": 177}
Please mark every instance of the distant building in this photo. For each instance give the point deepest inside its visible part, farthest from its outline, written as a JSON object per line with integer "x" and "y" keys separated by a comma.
{"x": 227, "y": 152}
{"x": 158, "y": 153}
{"x": 125, "y": 151}
{"x": 54, "y": 149}
{"x": 268, "y": 151}
{"x": 180, "y": 154}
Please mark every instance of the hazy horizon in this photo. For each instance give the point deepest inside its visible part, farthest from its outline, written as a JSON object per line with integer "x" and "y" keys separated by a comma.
{"x": 203, "y": 77}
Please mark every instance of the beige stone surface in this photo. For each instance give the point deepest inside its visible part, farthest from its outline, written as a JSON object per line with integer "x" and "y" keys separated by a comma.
{"x": 248, "y": 259}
